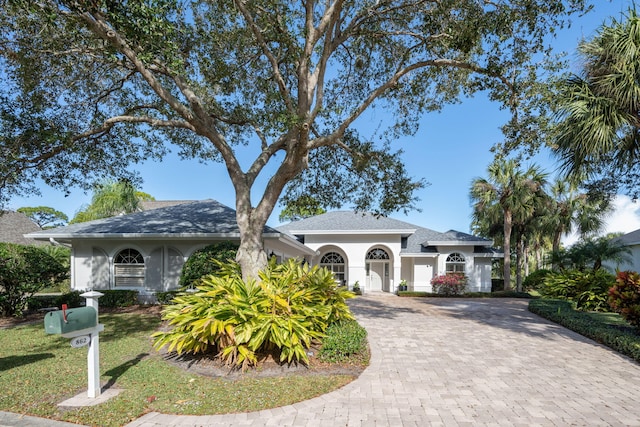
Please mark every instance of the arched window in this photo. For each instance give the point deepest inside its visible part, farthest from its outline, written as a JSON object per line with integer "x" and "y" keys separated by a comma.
{"x": 455, "y": 263}
{"x": 377, "y": 253}
{"x": 334, "y": 262}
{"x": 128, "y": 266}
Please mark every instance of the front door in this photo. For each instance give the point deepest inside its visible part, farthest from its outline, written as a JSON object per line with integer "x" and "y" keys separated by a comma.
{"x": 376, "y": 271}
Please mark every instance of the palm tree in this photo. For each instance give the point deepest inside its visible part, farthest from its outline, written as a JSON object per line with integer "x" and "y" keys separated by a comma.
{"x": 599, "y": 125}
{"x": 510, "y": 191}
{"x": 570, "y": 210}
{"x": 591, "y": 253}
{"x": 112, "y": 198}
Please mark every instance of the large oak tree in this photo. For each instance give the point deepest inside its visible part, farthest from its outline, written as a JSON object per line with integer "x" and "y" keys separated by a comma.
{"x": 271, "y": 88}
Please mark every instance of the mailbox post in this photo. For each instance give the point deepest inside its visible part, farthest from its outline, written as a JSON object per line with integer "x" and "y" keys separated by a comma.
{"x": 93, "y": 356}
{"x": 81, "y": 324}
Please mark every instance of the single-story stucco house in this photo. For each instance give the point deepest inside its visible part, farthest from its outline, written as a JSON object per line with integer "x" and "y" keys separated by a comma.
{"x": 146, "y": 250}
{"x": 380, "y": 252}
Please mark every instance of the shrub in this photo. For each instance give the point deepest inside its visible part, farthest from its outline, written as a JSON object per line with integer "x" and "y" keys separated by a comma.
{"x": 449, "y": 284}
{"x": 588, "y": 289}
{"x": 624, "y": 297}
{"x": 167, "y": 297}
{"x": 25, "y": 270}
{"x": 290, "y": 306}
{"x": 114, "y": 298}
{"x": 535, "y": 280}
{"x": 202, "y": 262}
{"x": 343, "y": 340}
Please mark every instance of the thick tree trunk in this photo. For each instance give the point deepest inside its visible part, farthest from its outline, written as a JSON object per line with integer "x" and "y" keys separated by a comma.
{"x": 251, "y": 255}
{"x": 507, "y": 249}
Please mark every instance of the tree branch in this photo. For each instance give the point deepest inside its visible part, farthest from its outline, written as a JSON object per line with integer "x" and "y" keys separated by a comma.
{"x": 284, "y": 92}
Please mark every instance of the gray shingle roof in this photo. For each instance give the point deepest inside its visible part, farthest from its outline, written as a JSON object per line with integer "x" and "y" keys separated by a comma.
{"x": 344, "y": 221}
{"x": 13, "y": 227}
{"x": 457, "y": 237}
{"x": 420, "y": 239}
{"x": 207, "y": 217}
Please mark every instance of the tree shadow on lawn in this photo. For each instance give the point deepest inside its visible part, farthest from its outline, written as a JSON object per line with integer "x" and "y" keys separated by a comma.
{"x": 9, "y": 362}
{"x": 119, "y": 370}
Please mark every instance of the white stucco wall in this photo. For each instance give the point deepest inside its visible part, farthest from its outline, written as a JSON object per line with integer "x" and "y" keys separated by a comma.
{"x": 423, "y": 271}
{"x": 355, "y": 248}
{"x": 92, "y": 261}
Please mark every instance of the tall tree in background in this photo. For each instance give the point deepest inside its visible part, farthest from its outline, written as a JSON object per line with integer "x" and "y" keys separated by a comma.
{"x": 599, "y": 110}
{"x": 511, "y": 192}
{"x": 90, "y": 87}
{"x": 111, "y": 198}
{"x": 572, "y": 210}
{"x": 45, "y": 216}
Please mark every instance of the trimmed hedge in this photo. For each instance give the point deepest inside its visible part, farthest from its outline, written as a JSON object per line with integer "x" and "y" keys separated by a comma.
{"x": 622, "y": 339}
{"x": 72, "y": 299}
{"x": 114, "y": 298}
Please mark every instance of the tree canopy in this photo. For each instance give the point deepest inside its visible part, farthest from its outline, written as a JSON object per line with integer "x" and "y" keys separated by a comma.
{"x": 45, "y": 216}
{"x": 271, "y": 88}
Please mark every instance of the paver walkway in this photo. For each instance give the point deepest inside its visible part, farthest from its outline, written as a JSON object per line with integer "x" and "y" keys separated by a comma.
{"x": 457, "y": 362}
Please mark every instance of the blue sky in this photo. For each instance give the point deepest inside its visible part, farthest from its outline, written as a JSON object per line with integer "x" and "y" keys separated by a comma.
{"x": 450, "y": 149}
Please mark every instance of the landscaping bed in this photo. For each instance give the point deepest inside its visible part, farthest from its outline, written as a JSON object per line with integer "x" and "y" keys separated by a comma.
{"x": 38, "y": 371}
{"x": 606, "y": 328}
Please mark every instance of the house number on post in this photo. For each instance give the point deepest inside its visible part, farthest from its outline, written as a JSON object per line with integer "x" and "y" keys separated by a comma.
{"x": 78, "y": 342}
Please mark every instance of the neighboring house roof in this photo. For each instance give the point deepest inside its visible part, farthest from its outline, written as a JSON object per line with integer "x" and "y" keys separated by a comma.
{"x": 348, "y": 222}
{"x": 632, "y": 238}
{"x": 192, "y": 220}
{"x": 13, "y": 227}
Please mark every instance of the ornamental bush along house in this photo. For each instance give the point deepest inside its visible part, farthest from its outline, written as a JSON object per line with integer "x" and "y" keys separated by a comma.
{"x": 145, "y": 251}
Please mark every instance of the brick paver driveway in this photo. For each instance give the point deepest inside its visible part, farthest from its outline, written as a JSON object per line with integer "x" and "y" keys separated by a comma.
{"x": 454, "y": 362}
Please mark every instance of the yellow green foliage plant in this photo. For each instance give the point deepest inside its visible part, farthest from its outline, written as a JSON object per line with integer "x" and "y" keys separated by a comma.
{"x": 291, "y": 305}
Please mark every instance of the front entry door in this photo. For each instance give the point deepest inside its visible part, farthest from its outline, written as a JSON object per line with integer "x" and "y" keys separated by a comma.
{"x": 377, "y": 276}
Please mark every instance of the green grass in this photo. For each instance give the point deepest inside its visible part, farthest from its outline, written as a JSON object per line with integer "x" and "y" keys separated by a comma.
{"x": 38, "y": 371}
{"x": 606, "y": 328}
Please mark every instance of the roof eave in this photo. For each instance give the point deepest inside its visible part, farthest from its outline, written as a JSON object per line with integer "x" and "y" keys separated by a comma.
{"x": 419, "y": 255}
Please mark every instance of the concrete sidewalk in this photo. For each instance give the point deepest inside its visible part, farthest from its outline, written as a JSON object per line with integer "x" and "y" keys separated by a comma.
{"x": 457, "y": 362}
{"x": 462, "y": 362}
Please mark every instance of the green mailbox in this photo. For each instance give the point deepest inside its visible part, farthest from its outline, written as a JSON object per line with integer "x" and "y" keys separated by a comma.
{"x": 70, "y": 320}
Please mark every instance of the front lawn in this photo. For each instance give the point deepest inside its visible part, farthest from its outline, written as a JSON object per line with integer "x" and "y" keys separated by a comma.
{"x": 38, "y": 371}
{"x": 606, "y": 328}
